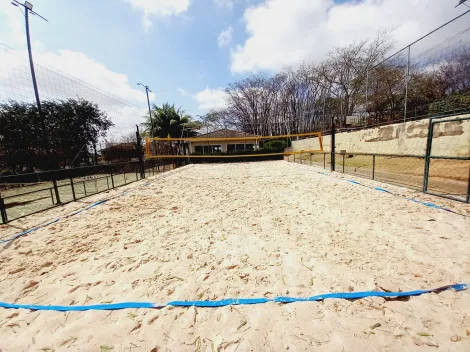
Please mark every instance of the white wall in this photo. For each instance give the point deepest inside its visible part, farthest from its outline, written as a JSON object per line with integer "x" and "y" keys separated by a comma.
{"x": 450, "y": 139}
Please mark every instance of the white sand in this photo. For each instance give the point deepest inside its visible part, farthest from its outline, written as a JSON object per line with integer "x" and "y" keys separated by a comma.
{"x": 241, "y": 230}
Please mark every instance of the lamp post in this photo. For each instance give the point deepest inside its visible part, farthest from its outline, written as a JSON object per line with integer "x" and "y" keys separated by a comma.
{"x": 147, "y": 90}
{"x": 28, "y": 8}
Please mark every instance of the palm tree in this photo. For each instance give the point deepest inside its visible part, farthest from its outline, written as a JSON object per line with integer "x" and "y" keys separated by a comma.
{"x": 168, "y": 122}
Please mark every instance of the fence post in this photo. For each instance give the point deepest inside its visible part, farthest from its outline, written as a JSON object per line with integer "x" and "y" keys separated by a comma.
{"x": 373, "y": 167}
{"x": 112, "y": 180}
{"x": 52, "y": 196}
{"x": 84, "y": 187}
{"x": 468, "y": 187}
{"x": 73, "y": 189}
{"x": 333, "y": 147}
{"x": 367, "y": 93}
{"x": 343, "y": 162}
{"x": 140, "y": 152}
{"x": 107, "y": 181}
{"x": 427, "y": 156}
{"x": 56, "y": 190}
{"x": 324, "y": 161}
{"x": 3, "y": 211}
{"x": 137, "y": 173}
{"x": 407, "y": 78}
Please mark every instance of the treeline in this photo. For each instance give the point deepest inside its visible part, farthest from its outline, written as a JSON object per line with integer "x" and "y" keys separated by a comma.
{"x": 65, "y": 136}
{"x": 346, "y": 83}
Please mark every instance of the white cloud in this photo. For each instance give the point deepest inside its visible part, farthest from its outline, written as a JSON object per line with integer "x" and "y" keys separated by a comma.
{"x": 225, "y": 3}
{"x": 210, "y": 98}
{"x": 288, "y": 32}
{"x": 15, "y": 19}
{"x": 184, "y": 92}
{"x": 159, "y": 8}
{"x": 225, "y": 37}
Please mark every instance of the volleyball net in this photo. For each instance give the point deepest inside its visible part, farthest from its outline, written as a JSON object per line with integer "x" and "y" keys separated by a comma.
{"x": 240, "y": 146}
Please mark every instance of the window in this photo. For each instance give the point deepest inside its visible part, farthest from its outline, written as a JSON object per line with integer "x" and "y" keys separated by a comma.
{"x": 198, "y": 149}
{"x": 210, "y": 149}
{"x": 238, "y": 147}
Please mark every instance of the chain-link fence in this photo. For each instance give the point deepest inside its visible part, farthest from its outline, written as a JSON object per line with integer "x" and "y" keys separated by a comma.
{"x": 430, "y": 155}
{"x": 429, "y": 77}
{"x": 62, "y": 132}
{"x": 83, "y": 165}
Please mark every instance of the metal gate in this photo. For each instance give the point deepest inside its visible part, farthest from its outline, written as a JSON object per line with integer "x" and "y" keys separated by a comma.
{"x": 447, "y": 159}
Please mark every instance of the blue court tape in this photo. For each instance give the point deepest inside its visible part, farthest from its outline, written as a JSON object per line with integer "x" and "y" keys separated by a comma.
{"x": 74, "y": 213}
{"x": 71, "y": 214}
{"x": 233, "y": 301}
{"x": 431, "y": 205}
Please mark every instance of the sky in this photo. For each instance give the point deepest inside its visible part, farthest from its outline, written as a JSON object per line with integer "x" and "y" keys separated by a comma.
{"x": 188, "y": 51}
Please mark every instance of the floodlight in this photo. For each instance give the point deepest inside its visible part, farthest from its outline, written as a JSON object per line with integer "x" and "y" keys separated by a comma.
{"x": 28, "y": 5}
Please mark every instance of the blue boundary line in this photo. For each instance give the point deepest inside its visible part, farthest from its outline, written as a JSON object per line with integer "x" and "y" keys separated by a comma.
{"x": 383, "y": 190}
{"x": 233, "y": 301}
{"x": 76, "y": 212}
{"x": 431, "y": 205}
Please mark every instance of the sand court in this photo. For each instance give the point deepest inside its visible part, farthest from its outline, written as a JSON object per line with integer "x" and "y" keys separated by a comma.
{"x": 241, "y": 230}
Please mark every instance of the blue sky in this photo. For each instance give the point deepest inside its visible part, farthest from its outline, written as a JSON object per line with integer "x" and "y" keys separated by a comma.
{"x": 173, "y": 46}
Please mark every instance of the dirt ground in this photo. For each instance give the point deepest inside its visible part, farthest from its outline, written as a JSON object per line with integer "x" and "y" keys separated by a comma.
{"x": 214, "y": 231}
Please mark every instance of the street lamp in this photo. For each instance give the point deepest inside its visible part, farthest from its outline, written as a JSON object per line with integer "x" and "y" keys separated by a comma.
{"x": 28, "y": 7}
{"x": 147, "y": 90}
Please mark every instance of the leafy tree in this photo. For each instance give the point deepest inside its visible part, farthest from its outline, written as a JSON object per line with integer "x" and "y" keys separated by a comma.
{"x": 167, "y": 121}
{"x": 73, "y": 127}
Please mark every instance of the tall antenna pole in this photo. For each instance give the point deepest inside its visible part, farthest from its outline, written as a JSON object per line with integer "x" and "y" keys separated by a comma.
{"x": 28, "y": 7}
{"x": 147, "y": 90}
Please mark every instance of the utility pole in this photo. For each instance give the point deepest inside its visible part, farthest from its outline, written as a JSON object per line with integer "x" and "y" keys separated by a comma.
{"x": 147, "y": 90}
{"x": 28, "y": 7}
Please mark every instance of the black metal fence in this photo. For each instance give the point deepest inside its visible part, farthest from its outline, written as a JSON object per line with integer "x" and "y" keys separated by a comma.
{"x": 448, "y": 177}
{"x": 26, "y": 194}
